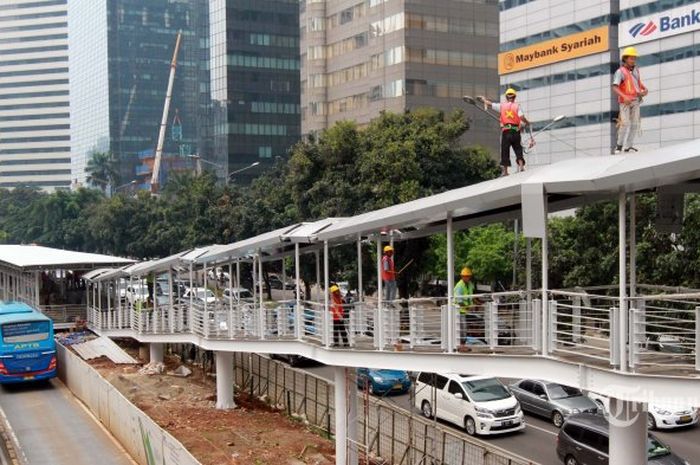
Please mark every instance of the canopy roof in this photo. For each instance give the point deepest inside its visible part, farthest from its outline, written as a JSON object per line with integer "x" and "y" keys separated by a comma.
{"x": 36, "y": 257}
{"x": 576, "y": 177}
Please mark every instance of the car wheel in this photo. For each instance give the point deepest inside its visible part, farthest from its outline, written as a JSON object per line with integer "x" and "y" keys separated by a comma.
{"x": 426, "y": 409}
{"x": 651, "y": 422}
{"x": 570, "y": 460}
{"x": 470, "y": 426}
{"x": 557, "y": 419}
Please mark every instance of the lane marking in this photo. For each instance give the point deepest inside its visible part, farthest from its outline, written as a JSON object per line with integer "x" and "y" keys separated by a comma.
{"x": 539, "y": 428}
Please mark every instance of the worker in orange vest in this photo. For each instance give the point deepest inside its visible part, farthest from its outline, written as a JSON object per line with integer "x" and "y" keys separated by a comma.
{"x": 630, "y": 90}
{"x": 338, "y": 312}
{"x": 389, "y": 274}
{"x": 512, "y": 123}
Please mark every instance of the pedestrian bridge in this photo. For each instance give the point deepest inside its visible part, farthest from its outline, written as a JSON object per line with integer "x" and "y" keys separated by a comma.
{"x": 631, "y": 341}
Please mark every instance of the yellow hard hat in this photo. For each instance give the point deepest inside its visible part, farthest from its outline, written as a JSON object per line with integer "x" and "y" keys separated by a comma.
{"x": 466, "y": 271}
{"x": 630, "y": 52}
{"x": 388, "y": 248}
{"x": 511, "y": 91}
{"x": 334, "y": 288}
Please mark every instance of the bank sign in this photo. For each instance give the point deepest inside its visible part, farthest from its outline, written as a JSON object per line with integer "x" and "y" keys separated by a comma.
{"x": 665, "y": 24}
{"x": 554, "y": 50}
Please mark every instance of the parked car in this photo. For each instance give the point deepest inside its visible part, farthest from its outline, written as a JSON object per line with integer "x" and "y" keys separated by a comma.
{"x": 382, "y": 382}
{"x": 661, "y": 415}
{"x": 238, "y": 294}
{"x": 218, "y": 274}
{"x": 551, "y": 400}
{"x": 200, "y": 295}
{"x": 584, "y": 439}
{"x": 670, "y": 344}
{"x": 479, "y": 404}
{"x": 294, "y": 360}
{"x": 163, "y": 286}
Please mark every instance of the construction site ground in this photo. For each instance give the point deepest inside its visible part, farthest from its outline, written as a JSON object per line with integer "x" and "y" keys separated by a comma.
{"x": 251, "y": 434}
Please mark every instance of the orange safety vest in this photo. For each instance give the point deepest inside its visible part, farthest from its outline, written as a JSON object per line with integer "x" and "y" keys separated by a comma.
{"x": 388, "y": 275}
{"x": 337, "y": 308}
{"x": 627, "y": 86}
{"x": 509, "y": 114}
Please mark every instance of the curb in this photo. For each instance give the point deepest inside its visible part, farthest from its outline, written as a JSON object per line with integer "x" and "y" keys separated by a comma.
{"x": 11, "y": 448}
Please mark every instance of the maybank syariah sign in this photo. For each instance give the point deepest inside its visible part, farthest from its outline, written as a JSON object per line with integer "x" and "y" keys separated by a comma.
{"x": 665, "y": 24}
{"x": 554, "y": 50}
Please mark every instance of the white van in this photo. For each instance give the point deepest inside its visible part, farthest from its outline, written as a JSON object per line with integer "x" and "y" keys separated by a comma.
{"x": 479, "y": 404}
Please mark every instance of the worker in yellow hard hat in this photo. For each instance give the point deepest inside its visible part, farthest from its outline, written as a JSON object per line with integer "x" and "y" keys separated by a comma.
{"x": 340, "y": 330}
{"x": 464, "y": 300}
{"x": 513, "y": 121}
{"x": 627, "y": 84}
{"x": 389, "y": 274}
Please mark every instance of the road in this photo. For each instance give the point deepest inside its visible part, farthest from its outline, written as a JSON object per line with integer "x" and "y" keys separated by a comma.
{"x": 537, "y": 441}
{"x": 53, "y": 428}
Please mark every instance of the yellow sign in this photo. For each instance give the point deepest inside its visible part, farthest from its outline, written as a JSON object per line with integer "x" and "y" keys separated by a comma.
{"x": 554, "y": 50}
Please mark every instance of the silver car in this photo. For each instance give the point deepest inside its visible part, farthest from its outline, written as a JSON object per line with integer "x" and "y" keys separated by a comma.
{"x": 551, "y": 400}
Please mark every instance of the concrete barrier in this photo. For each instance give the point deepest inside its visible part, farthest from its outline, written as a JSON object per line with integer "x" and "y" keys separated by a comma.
{"x": 143, "y": 439}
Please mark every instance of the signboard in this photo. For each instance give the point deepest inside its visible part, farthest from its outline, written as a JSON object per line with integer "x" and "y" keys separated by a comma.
{"x": 659, "y": 25}
{"x": 554, "y": 50}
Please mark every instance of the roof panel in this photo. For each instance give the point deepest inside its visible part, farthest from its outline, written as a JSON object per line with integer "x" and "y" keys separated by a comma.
{"x": 36, "y": 257}
{"x": 245, "y": 247}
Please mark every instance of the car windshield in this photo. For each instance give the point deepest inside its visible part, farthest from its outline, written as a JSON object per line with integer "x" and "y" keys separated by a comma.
{"x": 655, "y": 448}
{"x": 484, "y": 390}
{"x": 204, "y": 293}
{"x": 558, "y": 391}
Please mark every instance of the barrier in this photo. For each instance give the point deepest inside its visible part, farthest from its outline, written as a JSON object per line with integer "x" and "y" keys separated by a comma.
{"x": 143, "y": 439}
{"x": 385, "y": 433}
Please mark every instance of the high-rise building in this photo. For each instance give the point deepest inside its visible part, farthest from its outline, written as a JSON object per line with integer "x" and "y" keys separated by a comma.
{"x": 120, "y": 55}
{"x": 362, "y": 57}
{"x": 34, "y": 108}
{"x": 254, "y": 56}
{"x": 561, "y": 57}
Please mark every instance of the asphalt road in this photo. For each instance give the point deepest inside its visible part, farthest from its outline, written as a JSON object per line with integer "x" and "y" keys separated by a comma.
{"x": 537, "y": 441}
{"x": 53, "y": 428}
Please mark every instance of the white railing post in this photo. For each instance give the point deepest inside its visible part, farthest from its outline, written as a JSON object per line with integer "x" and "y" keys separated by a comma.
{"x": 299, "y": 311}
{"x": 551, "y": 327}
{"x": 229, "y": 328}
{"x": 454, "y": 337}
{"x": 576, "y": 319}
{"x": 326, "y": 303}
{"x": 697, "y": 338}
{"x": 614, "y": 338}
{"x": 489, "y": 324}
{"x": 261, "y": 297}
{"x": 535, "y": 310}
{"x": 635, "y": 342}
{"x": 378, "y": 320}
{"x": 412, "y": 325}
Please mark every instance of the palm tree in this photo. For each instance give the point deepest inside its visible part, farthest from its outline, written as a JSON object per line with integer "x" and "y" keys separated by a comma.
{"x": 102, "y": 169}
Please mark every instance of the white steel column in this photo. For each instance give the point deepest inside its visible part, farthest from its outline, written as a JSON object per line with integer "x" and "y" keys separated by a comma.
{"x": 109, "y": 306}
{"x": 379, "y": 318}
{"x": 37, "y": 289}
{"x": 171, "y": 303}
{"x": 156, "y": 352}
{"x": 190, "y": 316}
{"x": 298, "y": 321}
{"x": 327, "y": 339}
{"x": 633, "y": 245}
{"x": 622, "y": 248}
{"x": 452, "y": 329}
{"x": 628, "y": 432}
{"x": 230, "y": 318}
{"x": 341, "y": 417}
{"x": 546, "y": 336}
{"x": 360, "y": 289}
{"x": 318, "y": 277}
{"x": 224, "y": 380}
{"x": 261, "y": 309}
{"x": 353, "y": 458}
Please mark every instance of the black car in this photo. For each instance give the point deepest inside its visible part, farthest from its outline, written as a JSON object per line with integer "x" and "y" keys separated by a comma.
{"x": 584, "y": 439}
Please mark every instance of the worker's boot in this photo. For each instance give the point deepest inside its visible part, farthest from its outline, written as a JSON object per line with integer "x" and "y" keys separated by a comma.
{"x": 618, "y": 149}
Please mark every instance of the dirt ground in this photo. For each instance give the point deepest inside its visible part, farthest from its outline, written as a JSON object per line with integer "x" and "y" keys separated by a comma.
{"x": 251, "y": 434}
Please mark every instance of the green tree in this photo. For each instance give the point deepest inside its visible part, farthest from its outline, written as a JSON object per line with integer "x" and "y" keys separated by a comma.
{"x": 102, "y": 170}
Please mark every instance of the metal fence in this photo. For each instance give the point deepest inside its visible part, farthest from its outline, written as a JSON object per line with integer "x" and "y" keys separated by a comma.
{"x": 386, "y": 434}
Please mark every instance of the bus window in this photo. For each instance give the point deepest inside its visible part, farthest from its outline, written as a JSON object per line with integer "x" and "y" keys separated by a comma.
{"x": 29, "y": 331}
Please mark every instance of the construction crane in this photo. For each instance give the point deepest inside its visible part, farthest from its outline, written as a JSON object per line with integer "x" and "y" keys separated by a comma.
{"x": 164, "y": 120}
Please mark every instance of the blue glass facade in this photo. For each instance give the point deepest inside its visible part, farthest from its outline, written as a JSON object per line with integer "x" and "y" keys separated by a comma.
{"x": 120, "y": 53}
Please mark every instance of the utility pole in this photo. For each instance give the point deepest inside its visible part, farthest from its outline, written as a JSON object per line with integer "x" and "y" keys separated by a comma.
{"x": 164, "y": 120}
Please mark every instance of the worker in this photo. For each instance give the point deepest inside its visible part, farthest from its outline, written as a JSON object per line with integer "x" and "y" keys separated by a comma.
{"x": 513, "y": 121}
{"x": 463, "y": 298}
{"x": 630, "y": 90}
{"x": 389, "y": 274}
{"x": 338, "y": 312}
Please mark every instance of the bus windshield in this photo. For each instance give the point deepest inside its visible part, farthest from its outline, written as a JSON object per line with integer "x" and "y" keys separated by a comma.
{"x": 25, "y": 331}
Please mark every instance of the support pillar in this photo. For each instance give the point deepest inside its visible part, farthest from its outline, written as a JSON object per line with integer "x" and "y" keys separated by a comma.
{"x": 224, "y": 380}
{"x": 353, "y": 456}
{"x": 379, "y": 318}
{"x": 261, "y": 296}
{"x": 156, "y": 351}
{"x": 298, "y": 315}
{"x": 546, "y": 336}
{"x": 453, "y": 333}
{"x": 341, "y": 411}
{"x": 628, "y": 432}
{"x": 622, "y": 248}
{"x": 327, "y": 333}
{"x": 633, "y": 245}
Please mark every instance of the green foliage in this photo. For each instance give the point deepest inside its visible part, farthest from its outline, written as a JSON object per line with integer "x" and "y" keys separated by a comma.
{"x": 102, "y": 169}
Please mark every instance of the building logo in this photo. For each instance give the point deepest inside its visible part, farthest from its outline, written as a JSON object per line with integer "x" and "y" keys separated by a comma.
{"x": 643, "y": 29}
{"x": 509, "y": 61}
{"x": 664, "y": 24}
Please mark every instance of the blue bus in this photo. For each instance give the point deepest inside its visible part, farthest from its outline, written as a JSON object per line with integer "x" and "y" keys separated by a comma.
{"x": 27, "y": 346}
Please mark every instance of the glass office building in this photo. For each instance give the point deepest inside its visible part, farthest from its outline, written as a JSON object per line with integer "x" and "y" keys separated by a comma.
{"x": 362, "y": 57}
{"x": 120, "y": 53}
{"x": 34, "y": 101}
{"x": 254, "y": 56}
